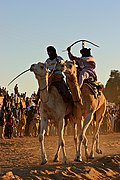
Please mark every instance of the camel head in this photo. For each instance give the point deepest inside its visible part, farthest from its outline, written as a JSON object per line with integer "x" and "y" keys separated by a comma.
{"x": 40, "y": 70}
{"x": 70, "y": 68}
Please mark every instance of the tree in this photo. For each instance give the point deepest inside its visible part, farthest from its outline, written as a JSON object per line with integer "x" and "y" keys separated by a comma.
{"x": 112, "y": 88}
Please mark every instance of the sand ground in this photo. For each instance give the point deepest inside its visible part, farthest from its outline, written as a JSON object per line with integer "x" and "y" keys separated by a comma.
{"x": 20, "y": 159}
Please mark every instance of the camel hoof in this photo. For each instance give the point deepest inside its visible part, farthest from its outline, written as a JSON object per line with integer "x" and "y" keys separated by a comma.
{"x": 65, "y": 162}
{"x": 87, "y": 157}
{"x": 99, "y": 151}
{"x": 55, "y": 160}
{"x": 78, "y": 159}
{"x": 91, "y": 157}
{"x": 42, "y": 163}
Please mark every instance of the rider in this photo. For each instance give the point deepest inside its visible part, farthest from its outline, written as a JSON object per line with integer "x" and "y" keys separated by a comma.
{"x": 53, "y": 63}
{"x": 56, "y": 78}
{"x": 86, "y": 65}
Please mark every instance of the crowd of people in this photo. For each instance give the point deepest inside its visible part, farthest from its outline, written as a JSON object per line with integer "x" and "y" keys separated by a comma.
{"x": 111, "y": 122}
{"x": 18, "y": 114}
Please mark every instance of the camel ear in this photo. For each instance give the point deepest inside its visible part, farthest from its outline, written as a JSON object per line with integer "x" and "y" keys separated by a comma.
{"x": 74, "y": 62}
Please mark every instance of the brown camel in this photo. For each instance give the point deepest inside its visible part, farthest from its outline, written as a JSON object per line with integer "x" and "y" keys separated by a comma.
{"x": 22, "y": 123}
{"x": 86, "y": 105}
{"x": 52, "y": 107}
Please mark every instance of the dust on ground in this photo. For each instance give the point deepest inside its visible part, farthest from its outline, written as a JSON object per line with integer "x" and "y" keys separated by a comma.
{"x": 20, "y": 159}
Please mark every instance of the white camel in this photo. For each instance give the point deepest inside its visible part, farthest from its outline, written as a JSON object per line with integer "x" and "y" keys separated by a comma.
{"x": 86, "y": 105}
{"x": 52, "y": 107}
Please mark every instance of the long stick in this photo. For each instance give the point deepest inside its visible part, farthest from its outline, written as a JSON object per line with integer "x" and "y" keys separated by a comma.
{"x": 18, "y": 76}
{"x": 83, "y": 41}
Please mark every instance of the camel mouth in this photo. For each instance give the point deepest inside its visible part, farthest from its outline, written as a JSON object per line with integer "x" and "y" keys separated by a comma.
{"x": 67, "y": 72}
{"x": 32, "y": 67}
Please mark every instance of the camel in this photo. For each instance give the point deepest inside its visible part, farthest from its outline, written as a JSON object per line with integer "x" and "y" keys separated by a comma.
{"x": 86, "y": 105}
{"x": 52, "y": 107}
{"x": 34, "y": 125}
{"x": 22, "y": 123}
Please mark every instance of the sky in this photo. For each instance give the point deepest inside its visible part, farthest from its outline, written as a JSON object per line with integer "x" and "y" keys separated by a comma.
{"x": 27, "y": 27}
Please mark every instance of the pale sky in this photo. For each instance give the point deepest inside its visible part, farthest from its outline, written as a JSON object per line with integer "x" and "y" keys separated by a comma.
{"x": 27, "y": 27}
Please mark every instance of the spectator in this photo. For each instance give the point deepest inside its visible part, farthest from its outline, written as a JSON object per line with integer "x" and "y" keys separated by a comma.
{"x": 2, "y": 124}
{"x": 9, "y": 124}
{"x": 16, "y": 89}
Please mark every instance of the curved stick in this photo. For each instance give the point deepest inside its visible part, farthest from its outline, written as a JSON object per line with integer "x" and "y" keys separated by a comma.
{"x": 18, "y": 76}
{"x": 83, "y": 41}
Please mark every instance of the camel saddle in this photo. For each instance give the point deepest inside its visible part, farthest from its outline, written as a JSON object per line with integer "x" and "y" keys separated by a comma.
{"x": 59, "y": 83}
{"x": 95, "y": 86}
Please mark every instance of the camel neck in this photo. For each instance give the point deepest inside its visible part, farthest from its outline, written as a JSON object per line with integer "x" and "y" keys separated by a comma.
{"x": 74, "y": 88}
{"x": 43, "y": 86}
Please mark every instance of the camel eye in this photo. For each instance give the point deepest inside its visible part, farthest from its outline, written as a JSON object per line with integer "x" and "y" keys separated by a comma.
{"x": 42, "y": 67}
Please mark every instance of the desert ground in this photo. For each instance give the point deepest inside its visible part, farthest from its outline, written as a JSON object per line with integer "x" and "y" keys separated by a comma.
{"x": 20, "y": 159}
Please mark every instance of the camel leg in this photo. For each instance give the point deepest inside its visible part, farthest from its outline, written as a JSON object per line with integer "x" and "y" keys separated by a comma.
{"x": 85, "y": 143}
{"x": 41, "y": 140}
{"x": 99, "y": 118}
{"x": 56, "y": 158}
{"x": 23, "y": 130}
{"x": 82, "y": 137}
{"x": 95, "y": 140}
{"x": 75, "y": 137}
{"x": 61, "y": 142}
{"x": 77, "y": 130}
{"x": 98, "y": 150}
{"x": 30, "y": 130}
{"x": 18, "y": 131}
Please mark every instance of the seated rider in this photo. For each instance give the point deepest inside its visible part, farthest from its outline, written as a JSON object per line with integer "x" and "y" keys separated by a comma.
{"x": 56, "y": 79}
{"x": 53, "y": 64}
{"x": 86, "y": 65}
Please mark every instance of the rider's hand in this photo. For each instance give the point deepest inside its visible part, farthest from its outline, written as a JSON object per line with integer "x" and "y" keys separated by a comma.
{"x": 69, "y": 49}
